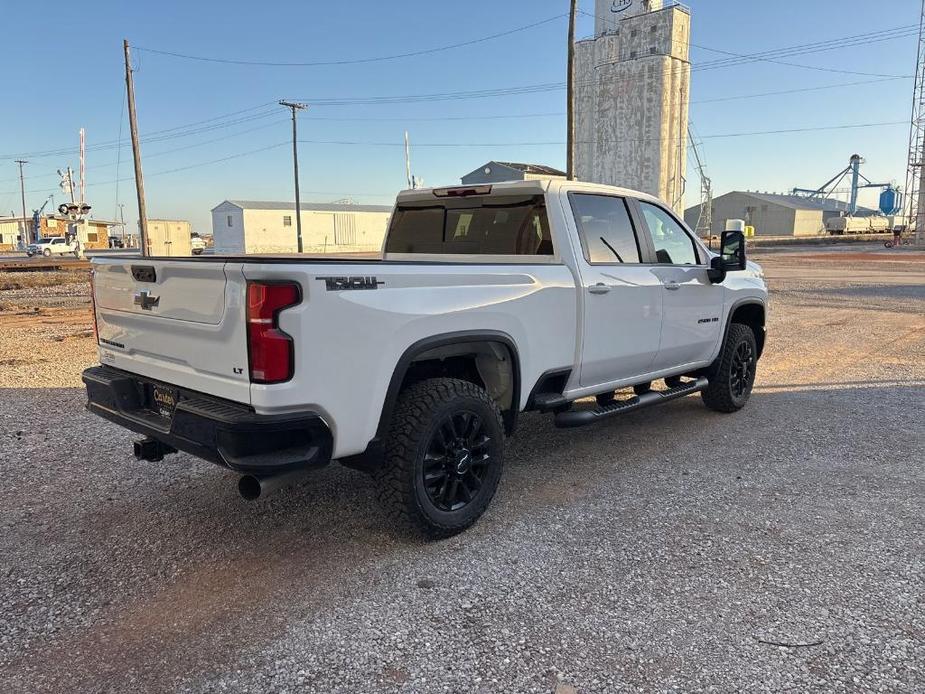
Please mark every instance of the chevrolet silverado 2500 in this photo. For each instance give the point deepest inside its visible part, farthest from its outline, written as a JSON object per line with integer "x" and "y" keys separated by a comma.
{"x": 488, "y": 301}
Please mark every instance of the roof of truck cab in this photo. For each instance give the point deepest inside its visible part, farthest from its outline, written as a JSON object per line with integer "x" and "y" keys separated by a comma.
{"x": 536, "y": 186}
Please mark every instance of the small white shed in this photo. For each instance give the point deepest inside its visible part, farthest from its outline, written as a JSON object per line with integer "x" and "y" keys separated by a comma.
{"x": 249, "y": 226}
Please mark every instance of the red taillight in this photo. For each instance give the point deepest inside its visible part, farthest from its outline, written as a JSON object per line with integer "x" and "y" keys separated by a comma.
{"x": 270, "y": 350}
{"x": 96, "y": 328}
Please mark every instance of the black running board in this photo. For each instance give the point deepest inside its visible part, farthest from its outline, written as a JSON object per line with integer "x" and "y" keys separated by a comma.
{"x": 579, "y": 418}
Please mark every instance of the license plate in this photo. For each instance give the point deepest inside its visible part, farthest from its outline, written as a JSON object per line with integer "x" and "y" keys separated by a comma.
{"x": 163, "y": 400}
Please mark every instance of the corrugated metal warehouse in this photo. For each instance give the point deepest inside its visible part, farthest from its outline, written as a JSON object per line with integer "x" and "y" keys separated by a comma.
{"x": 772, "y": 214}
{"x": 251, "y": 226}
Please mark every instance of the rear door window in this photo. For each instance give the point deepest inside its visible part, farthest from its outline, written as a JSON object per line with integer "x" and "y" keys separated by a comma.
{"x": 606, "y": 229}
{"x": 494, "y": 226}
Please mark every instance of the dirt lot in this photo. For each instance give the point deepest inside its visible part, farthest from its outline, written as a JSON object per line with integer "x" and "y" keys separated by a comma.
{"x": 780, "y": 548}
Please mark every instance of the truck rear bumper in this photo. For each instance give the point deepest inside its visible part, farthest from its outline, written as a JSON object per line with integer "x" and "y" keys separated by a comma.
{"x": 221, "y": 431}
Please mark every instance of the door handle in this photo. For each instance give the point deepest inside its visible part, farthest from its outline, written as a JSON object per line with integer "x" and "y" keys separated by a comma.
{"x": 672, "y": 286}
{"x": 599, "y": 288}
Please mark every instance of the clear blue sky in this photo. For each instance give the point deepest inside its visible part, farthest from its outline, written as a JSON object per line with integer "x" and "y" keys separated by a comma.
{"x": 64, "y": 71}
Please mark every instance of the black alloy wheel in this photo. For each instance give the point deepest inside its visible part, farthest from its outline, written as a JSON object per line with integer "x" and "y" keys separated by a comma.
{"x": 732, "y": 375}
{"x": 742, "y": 370}
{"x": 457, "y": 459}
{"x": 444, "y": 454}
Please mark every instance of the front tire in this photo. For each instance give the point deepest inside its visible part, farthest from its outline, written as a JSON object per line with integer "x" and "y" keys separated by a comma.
{"x": 732, "y": 375}
{"x": 443, "y": 457}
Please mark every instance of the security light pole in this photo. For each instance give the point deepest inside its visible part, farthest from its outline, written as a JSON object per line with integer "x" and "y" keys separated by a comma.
{"x": 295, "y": 167}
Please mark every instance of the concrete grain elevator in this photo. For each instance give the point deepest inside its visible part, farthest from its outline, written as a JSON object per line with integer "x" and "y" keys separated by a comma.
{"x": 632, "y": 97}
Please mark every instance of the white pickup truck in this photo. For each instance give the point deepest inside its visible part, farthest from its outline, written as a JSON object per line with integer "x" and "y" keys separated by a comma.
{"x": 55, "y": 245}
{"x": 488, "y": 301}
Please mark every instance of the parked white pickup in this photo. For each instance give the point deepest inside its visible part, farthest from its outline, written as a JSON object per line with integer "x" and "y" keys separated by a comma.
{"x": 488, "y": 301}
{"x": 56, "y": 245}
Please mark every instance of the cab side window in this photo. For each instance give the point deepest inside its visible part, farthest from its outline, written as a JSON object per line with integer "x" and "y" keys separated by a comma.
{"x": 673, "y": 245}
{"x": 606, "y": 229}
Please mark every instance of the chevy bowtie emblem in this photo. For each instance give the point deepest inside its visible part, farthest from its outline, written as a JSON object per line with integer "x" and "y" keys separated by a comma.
{"x": 145, "y": 300}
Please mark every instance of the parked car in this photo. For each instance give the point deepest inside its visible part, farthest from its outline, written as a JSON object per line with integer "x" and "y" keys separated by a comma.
{"x": 197, "y": 244}
{"x": 490, "y": 301}
{"x": 56, "y": 245}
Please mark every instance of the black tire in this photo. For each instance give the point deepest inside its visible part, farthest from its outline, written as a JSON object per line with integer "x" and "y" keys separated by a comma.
{"x": 732, "y": 375}
{"x": 673, "y": 381}
{"x": 642, "y": 388}
{"x": 604, "y": 399}
{"x": 445, "y": 443}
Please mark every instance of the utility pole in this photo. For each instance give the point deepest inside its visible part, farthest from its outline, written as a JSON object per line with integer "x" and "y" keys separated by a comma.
{"x": 295, "y": 167}
{"x": 25, "y": 237}
{"x": 570, "y": 139}
{"x": 136, "y": 152}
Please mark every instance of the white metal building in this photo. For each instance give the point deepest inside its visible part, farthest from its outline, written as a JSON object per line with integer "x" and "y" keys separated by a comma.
{"x": 250, "y": 226}
{"x": 631, "y": 98}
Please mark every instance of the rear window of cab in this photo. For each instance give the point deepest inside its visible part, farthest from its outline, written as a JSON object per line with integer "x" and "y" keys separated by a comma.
{"x": 483, "y": 226}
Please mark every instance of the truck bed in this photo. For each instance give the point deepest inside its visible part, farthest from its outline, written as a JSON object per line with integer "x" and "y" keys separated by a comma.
{"x": 356, "y": 319}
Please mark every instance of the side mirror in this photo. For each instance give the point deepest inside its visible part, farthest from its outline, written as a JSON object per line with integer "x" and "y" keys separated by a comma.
{"x": 731, "y": 256}
{"x": 732, "y": 250}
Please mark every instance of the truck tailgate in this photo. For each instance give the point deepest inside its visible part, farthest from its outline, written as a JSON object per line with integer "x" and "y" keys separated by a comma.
{"x": 174, "y": 321}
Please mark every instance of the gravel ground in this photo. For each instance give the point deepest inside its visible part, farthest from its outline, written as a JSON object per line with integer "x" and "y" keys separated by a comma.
{"x": 777, "y": 549}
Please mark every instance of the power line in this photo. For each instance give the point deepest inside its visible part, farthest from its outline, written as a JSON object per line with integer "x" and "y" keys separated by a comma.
{"x": 772, "y": 55}
{"x": 357, "y": 61}
{"x": 796, "y": 91}
{"x": 179, "y": 168}
{"x": 482, "y": 144}
{"x": 643, "y": 139}
{"x": 462, "y": 118}
{"x": 194, "y": 128}
{"x": 218, "y": 122}
{"x": 119, "y": 150}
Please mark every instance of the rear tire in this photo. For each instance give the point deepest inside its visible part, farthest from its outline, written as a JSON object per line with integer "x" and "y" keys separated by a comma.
{"x": 732, "y": 375}
{"x": 443, "y": 457}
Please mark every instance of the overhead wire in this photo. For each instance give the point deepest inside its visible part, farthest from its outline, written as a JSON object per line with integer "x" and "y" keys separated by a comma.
{"x": 222, "y": 121}
{"x": 485, "y": 144}
{"x": 356, "y": 61}
{"x": 773, "y": 55}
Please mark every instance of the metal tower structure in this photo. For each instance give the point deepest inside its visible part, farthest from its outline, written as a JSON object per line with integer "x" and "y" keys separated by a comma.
{"x": 829, "y": 188}
{"x": 704, "y": 228}
{"x": 915, "y": 172}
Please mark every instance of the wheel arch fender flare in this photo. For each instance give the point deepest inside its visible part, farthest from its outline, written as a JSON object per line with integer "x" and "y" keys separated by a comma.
{"x": 443, "y": 340}
{"x": 750, "y": 304}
